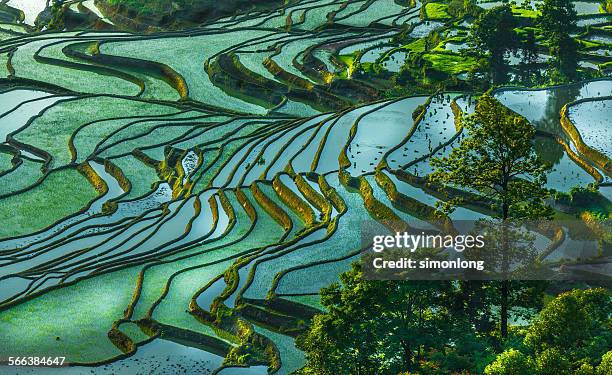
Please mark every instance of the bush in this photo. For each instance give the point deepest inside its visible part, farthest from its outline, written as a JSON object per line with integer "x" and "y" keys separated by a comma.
{"x": 605, "y": 367}
{"x": 552, "y": 362}
{"x": 510, "y": 362}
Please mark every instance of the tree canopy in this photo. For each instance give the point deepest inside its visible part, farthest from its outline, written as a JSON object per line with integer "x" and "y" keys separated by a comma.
{"x": 557, "y": 18}
{"x": 385, "y": 327}
{"x": 571, "y": 335}
{"x": 497, "y": 159}
{"x": 493, "y": 32}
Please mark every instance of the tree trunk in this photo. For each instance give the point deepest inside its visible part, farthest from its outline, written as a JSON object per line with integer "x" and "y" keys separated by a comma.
{"x": 505, "y": 284}
{"x": 407, "y": 355}
{"x": 504, "y": 308}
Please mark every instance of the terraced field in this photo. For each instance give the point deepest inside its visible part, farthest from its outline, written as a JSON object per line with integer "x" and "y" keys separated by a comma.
{"x": 179, "y": 198}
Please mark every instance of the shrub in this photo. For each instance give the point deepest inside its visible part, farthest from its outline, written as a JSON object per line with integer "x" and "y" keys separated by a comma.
{"x": 510, "y": 362}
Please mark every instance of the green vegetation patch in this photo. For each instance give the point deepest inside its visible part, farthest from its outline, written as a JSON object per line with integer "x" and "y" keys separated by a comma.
{"x": 416, "y": 46}
{"x": 452, "y": 64}
{"x": 523, "y": 12}
{"x": 435, "y": 11}
{"x": 589, "y": 43}
{"x": 62, "y": 193}
{"x": 308, "y": 300}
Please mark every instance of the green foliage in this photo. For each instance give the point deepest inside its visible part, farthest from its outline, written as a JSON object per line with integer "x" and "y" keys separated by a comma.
{"x": 497, "y": 151}
{"x": 420, "y": 109}
{"x": 510, "y": 362}
{"x": 461, "y": 8}
{"x": 56, "y": 20}
{"x": 494, "y": 31}
{"x": 552, "y": 362}
{"x": 557, "y": 18}
{"x": 529, "y": 71}
{"x": 585, "y": 369}
{"x": 605, "y": 367}
{"x": 403, "y": 77}
{"x": 575, "y": 325}
{"x": 416, "y": 46}
{"x": 436, "y": 11}
{"x": 449, "y": 63}
{"x": 606, "y": 6}
{"x": 375, "y": 327}
{"x": 498, "y": 160}
{"x": 524, "y": 12}
{"x": 570, "y": 336}
{"x": 588, "y": 199}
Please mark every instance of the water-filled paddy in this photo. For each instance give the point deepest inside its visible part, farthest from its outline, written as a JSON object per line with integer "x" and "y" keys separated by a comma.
{"x": 147, "y": 162}
{"x": 394, "y": 61}
{"x": 592, "y": 119}
{"x": 586, "y": 7}
{"x": 31, "y": 8}
{"x": 593, "y": 20}
{"x": 541, "y": 107}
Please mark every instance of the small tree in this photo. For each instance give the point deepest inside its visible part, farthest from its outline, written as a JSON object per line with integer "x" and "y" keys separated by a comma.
{"x": 557, "y": 18}
{"x": 497, "y": 160}
{"x": 493, "y": 32}
{"x": 529, "y": 61}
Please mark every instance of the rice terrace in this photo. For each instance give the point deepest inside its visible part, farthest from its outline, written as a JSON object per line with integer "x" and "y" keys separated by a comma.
{"x": 179, "y": 180}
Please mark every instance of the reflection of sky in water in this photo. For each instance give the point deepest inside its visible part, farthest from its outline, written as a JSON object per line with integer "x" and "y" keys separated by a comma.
{"x": 600, "y": 52}
{"x": 586, "y": 7}
{"x": 593, "y": 21}
{"x": 542, "y": 107}
{"x": 565, "y": 173}
{"x": 423, "y": 29}
{"x": 600, "y": 39}
{"x": 592, "y": 119}
{"x": 31, "y": 8}
{"x": 586, "y": 64}
{"x": 89, "y": 4}
{"x": 255, "y": 370}
{"x": 372, "y": 55}
{"x": 489, "y": 5}
{"x": 455, "y": 47}
{"x": 394, "y": 62}
{"x": 516, "y": 58}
